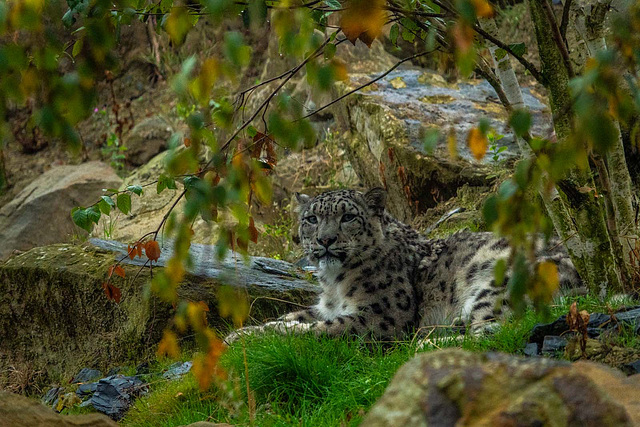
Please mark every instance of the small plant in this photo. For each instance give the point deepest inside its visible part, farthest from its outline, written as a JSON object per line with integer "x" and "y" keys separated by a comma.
{"x": 494, "y": 148}
{"x": 114, "y": 150}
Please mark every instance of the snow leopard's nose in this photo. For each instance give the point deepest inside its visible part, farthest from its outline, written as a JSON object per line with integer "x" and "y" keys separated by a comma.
{"x": 326, "y": 241}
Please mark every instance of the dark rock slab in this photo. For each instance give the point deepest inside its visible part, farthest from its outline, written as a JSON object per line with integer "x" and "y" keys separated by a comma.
{"x": 86, "y": 390}
{"x": 86, "y": 375}
{"x": 51, "y": 395}
{"x": 531, "y": 349}
{"x": 114, "y": 395}
{"x": 553, "y": 344}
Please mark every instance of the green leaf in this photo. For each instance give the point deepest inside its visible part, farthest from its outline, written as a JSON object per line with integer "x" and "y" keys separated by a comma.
{"x": 518, "y": 49}
{"x": 135, "y": 189}
{"x": 77, "y": 47}
{"x": 520, "y": 121}
{"x": 109, "y": 201}
{"x": 394, "y": 32}
{"x": 104, "y": 207}
{"x": 500, "y": 53}
{"x": 80, "y": 218}
{"x": 329, "y": 51}
{"x": 124, "y": 203}
{"x": 93, "y": 214}
{"x": 408, "y": 35}
{"x": 251, "y": 131}
{"x": 499, "y": 271}
{"x": 333, "y": 4}
{"x": 490, "y": 211}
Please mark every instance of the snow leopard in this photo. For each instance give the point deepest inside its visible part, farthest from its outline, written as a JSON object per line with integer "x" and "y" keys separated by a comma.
{"x": 383, "y": 279}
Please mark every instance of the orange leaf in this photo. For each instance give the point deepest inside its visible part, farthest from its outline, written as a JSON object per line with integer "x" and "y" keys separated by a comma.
{"x": 187, "y": 142}
{"x": 131, "y": 251}
{"x": 113, "y": 293}
{"x": 483, "y": 8}
{"x": 477, "y": 143}
{"x": 168, "y": 345}
{"x": 152, "y": 250}
{"x": 253, "y": 231}
{"x": 364, "y": 20}
{"x": 119, "y": 271}
{"x": 139, "y": 249}
{"x": 390, "y": 153}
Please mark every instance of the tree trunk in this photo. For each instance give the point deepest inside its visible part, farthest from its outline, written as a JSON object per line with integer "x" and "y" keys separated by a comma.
{"x": 594, "y": 257}
{"x": 553, "y": 203}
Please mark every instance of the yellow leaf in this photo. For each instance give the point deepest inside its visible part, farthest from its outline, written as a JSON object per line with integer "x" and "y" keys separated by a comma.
{"x": 197, "y": 315}
{"x": 452, "y": 144}
{"x": 483, "y": 8}
{"x": 364, "y": 20}
{"x": 233, "y": 303}
{"x": 169, "y": 345}
{"x": 175, "y": 271}
{"x": 477, "y": 142}
{"x": 548, "y": 272}
{"x": 178, "y": 24}
{"x": 339, "y": 70}
{"x": 398, "y": 83}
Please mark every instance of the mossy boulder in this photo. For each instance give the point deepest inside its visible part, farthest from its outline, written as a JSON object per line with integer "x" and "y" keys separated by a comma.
{"x": 456, "y": 387}
{"x": 55, "y": 318}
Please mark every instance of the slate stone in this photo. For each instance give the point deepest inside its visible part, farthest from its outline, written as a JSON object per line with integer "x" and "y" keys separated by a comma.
{"x": 86, "y": 389}
{"x": 531, "y": 349}
{"x": 114, "y": 395}
{"x": 553, "y": 344}
{"x": 177, "y": 370}
{"x": 86, "y": 375}
{"x": 51, "y": 395}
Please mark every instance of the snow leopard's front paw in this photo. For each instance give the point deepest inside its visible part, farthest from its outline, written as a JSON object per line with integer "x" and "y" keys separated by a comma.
{"x": 247, "y": 330}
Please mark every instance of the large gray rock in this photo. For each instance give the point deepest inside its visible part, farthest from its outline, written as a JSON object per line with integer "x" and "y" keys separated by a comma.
{"x": 454, "y": 387}
{"x": 387, "y": 123}
{"x": 55, "y": 318}
{"x": 40, "y": 214}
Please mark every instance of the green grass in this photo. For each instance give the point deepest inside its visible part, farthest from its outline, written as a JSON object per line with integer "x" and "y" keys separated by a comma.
{"x": 309, "y": 381}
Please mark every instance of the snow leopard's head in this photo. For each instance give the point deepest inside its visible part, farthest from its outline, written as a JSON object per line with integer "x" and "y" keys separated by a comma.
{"x": 338, "y": 228}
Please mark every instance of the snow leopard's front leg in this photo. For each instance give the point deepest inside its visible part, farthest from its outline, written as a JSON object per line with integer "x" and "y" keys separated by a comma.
{"x": 284, "y": 324}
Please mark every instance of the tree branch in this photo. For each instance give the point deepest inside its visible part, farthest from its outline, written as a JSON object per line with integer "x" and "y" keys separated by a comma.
{"x": 557, "y": 37}
{"x": 565, "y": 19}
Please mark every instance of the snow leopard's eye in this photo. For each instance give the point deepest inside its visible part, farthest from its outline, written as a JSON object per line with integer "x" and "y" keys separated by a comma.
{"x": 348, "y": 217}
{"x": 311, "y": 219}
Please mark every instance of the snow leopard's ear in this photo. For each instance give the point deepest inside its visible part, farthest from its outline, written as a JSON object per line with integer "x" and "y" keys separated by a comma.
{"x": 376, "y": 199}
{"x": 302, "y": 200}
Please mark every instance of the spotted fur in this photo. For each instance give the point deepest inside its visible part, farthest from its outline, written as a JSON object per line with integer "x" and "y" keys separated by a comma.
{"x": 383, "y": 279}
